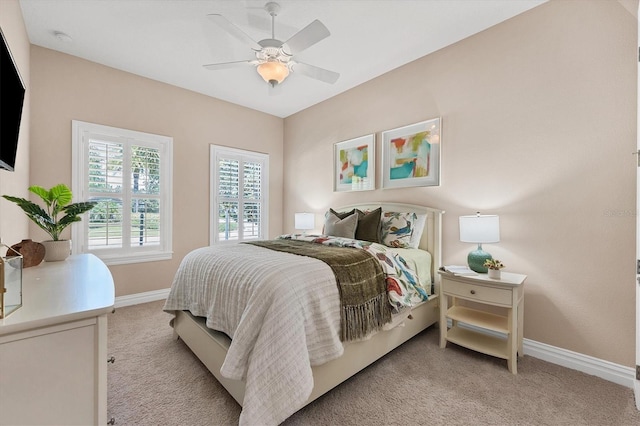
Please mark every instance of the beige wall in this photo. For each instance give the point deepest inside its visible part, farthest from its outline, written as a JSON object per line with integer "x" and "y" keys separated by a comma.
{"x": 66, "y": 88}
{"x": 13, "y": 223}
{"x": 539, "y": 123}
{"x": 539, "y": 120}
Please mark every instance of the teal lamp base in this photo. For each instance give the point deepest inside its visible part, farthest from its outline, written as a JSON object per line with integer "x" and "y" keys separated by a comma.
{"x": 476, "y": 259}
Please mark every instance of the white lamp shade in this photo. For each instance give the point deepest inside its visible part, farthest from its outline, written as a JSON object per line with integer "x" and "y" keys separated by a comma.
{"x": 480, "y": 229}
{"x": 305, "y": 221}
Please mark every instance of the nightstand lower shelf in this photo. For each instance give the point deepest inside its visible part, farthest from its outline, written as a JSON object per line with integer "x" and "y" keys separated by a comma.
{"x": 479, "y": 318}
{"x": 490, "y": 345}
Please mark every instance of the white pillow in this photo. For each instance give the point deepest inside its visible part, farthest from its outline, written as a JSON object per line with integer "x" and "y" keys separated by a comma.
{"x": 418, "y": 229}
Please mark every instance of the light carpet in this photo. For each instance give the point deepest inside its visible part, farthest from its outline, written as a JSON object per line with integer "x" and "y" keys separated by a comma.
{"x": 158, "y": 381}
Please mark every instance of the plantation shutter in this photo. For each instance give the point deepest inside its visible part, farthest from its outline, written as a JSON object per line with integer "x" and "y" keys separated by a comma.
{"x": 252, "y": 199}
{"x": 106, "y": 161}
{"x": 128, "y": 174}
{"x": 239, "y": 197}
{"x": 229, "y": 198}
{"x": 145, "y": 196}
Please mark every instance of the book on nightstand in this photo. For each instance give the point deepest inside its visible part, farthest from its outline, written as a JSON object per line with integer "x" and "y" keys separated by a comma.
{"x": 458, "y": 270}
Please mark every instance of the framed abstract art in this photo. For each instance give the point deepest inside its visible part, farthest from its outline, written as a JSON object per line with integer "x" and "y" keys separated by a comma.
{"x": 354, "y": 164}
{"x": 411, "y": 155}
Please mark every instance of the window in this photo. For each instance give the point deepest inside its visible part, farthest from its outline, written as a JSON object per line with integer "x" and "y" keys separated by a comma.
{"x": 129, "y": 174}
{"x": 239, "y": 207}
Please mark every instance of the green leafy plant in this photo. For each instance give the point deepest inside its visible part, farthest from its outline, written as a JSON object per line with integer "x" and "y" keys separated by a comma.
{"x": 493, "y": 264}
{"x": 57, "y": 201}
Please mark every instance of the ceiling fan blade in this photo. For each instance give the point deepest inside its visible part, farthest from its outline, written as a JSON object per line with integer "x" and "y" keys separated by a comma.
{"x": 306, "y": 37}
{"x": 225, "y": 65}
{"x": 316, "y": 72}
{"x": 234, "y": 31}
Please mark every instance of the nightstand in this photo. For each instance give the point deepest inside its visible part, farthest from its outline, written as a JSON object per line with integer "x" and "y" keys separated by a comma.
{"x": 507, "y": 292}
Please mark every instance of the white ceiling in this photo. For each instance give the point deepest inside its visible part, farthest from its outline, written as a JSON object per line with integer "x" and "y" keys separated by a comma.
{"x": 170, "y": 40}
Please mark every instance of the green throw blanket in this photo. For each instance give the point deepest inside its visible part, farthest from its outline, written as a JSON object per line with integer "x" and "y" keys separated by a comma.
{"x": 361, "y": 282}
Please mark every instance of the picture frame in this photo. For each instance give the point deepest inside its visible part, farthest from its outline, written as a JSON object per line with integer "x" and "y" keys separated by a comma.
{"x": 354, "y": 164}
{"x": 411, "y": 155}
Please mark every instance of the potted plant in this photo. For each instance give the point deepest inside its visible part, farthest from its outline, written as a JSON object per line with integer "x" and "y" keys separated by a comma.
{"x": 493, "y": 268}
{"x": 57, "y": 201}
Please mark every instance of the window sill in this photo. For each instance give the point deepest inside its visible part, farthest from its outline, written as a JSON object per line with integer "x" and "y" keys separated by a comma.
{"x": 112, "y": 259}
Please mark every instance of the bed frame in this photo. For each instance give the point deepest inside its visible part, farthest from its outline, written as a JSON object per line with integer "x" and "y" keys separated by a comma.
{"x": 211, "y": 346}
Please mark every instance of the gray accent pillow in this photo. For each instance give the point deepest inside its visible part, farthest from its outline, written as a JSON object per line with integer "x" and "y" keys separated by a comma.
{"x": 369, "y": 225}
{"x": 368, "y": 228}
{"x": 342, "y": 215}
{"x": 337, "y": 227}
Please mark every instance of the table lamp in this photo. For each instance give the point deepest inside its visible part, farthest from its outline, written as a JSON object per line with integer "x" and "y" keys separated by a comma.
{"x": 479, "y": 229}
{"x": 304, "y": 221}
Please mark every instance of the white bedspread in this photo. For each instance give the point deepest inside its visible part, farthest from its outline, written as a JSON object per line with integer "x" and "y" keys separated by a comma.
{"x": 273, "y": 307}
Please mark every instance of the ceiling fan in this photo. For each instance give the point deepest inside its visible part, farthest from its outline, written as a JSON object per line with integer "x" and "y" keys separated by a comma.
{"x": 274, "y": 58}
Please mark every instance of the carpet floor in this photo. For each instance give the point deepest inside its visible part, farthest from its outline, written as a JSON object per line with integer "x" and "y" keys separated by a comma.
{"x": 158, "y": 381}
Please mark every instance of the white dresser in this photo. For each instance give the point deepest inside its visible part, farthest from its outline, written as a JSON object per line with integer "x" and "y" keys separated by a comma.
{"x": 53, "y": 350}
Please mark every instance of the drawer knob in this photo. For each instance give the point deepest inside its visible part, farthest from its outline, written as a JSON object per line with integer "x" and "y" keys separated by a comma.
{"x": 473, "y": 292}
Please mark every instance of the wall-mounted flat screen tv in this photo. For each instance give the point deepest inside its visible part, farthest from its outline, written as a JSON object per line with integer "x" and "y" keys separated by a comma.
{"x": 11, "y": 102}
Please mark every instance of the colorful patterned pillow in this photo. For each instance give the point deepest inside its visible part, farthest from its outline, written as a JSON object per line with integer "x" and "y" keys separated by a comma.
{"x": 397, "y": 229}
{"x": 337, "y": 227}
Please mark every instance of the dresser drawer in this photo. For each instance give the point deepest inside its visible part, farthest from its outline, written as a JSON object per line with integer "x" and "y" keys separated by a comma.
{"x": 477, "y": 292}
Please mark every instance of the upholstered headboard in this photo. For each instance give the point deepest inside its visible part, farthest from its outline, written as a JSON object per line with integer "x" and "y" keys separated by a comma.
{"x": 431, "y": 239}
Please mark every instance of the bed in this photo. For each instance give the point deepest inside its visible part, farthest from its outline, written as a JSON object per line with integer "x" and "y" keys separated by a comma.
{"x": 278, "y": 398}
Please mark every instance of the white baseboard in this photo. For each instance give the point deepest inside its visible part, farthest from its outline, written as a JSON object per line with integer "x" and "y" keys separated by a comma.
{"x": 615, "y": 373}
{"x": 136, "y": 299}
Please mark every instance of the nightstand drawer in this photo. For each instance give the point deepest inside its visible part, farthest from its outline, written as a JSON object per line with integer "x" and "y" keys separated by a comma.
{"x": 478, "y": 292}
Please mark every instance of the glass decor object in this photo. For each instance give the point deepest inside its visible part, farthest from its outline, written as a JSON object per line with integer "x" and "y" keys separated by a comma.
{"x": 10, "y": 282}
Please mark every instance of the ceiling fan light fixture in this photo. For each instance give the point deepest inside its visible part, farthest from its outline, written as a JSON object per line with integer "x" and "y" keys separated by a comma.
{"x": 273, "y": 72}
{"x": 275, "y": 59}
